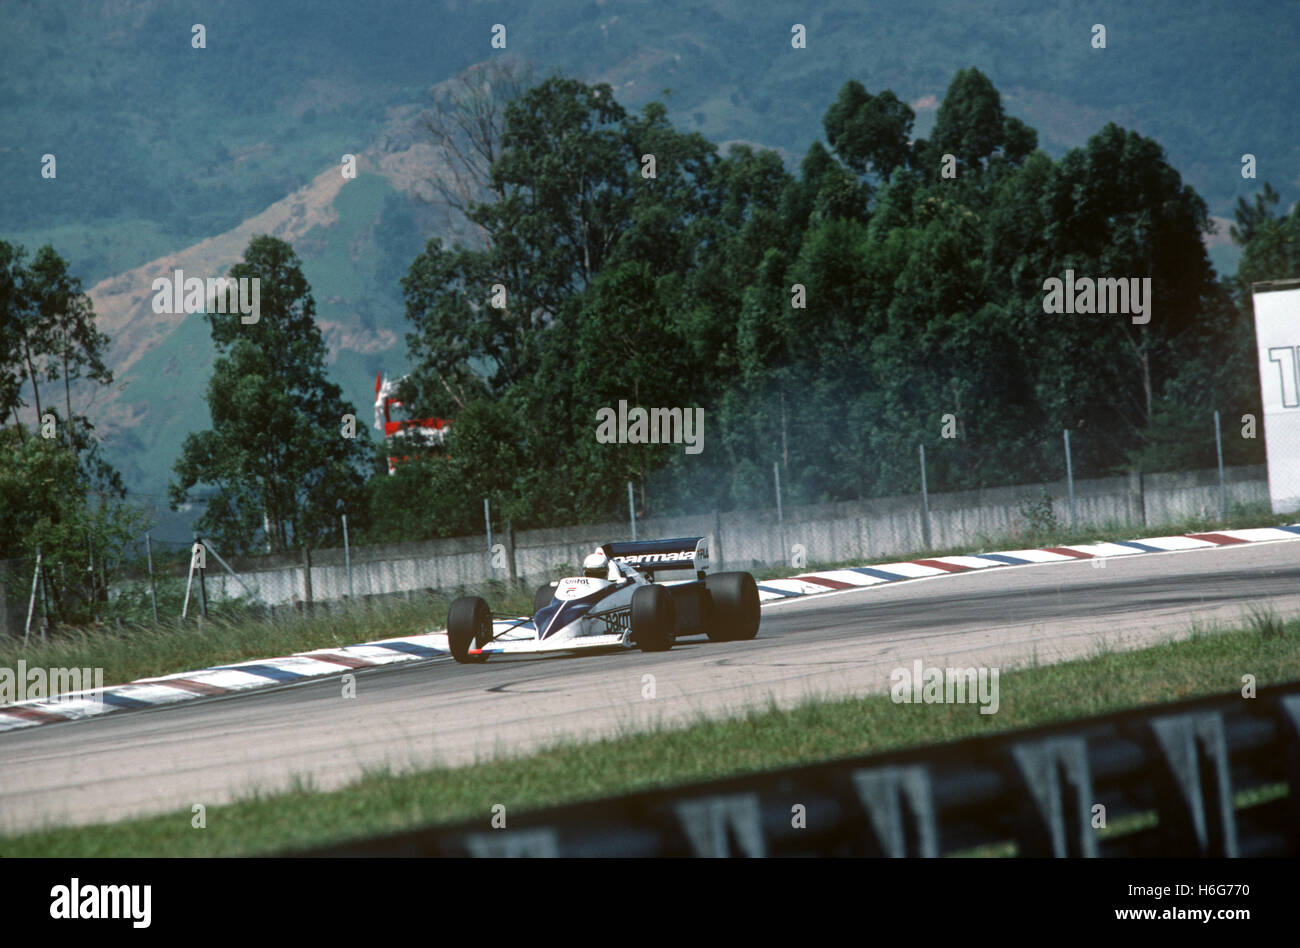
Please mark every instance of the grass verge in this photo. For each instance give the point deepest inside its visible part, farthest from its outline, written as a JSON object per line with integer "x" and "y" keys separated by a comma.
{"x": 1209, "y": 662}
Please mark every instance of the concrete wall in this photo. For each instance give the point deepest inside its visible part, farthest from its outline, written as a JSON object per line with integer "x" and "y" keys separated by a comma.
{"x": 376, "y": 570}
{"x": 745, "y": 539}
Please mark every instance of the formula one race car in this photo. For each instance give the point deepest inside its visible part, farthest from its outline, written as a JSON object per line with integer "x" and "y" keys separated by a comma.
{"x": 616, "y": 603}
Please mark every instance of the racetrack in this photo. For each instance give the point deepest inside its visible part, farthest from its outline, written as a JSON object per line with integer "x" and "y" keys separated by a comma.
{"x": 211, "y": 751}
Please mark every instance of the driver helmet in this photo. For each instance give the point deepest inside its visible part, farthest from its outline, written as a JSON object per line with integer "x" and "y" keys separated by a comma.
{"x": 596, "y": 565}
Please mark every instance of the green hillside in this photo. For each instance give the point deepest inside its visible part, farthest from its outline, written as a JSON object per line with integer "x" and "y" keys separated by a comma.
{"x": 196, "y": 140}
{"x": 354, "y": 286}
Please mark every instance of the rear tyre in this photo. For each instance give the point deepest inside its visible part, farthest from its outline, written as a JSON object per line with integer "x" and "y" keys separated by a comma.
{"x": 735, "y": 613}
{"x": 654, "y": 619}
{"x": 469, "y": 625}
{"x": 542, "y": 598}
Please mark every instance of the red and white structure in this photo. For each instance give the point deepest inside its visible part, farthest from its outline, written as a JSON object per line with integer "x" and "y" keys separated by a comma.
{"x": 424, "y": 432}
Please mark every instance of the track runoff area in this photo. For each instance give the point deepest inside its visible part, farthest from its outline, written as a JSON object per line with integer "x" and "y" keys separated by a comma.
{"x": 431, "y": 711}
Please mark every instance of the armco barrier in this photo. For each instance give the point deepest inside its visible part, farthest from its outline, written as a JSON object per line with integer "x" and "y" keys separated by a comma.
{"x": 1165, "y": 775}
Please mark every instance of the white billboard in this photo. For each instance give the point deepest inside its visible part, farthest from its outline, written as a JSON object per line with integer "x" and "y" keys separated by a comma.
{"x": 1277, "y": 335}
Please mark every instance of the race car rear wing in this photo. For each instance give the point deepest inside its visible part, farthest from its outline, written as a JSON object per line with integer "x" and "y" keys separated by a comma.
{"x": 649, "y": 556}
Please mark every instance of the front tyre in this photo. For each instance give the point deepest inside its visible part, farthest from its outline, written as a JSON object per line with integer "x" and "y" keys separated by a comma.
{"x": 654, "y": 619}
{"x": 469, "y": 625}
{"x": 735, "y": 612}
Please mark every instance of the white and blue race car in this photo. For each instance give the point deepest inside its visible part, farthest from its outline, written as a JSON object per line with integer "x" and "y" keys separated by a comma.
{"x": 616, "y": 603}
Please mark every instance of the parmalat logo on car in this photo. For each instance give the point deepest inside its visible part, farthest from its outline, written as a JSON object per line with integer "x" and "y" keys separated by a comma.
{"x": 657, "y": 557}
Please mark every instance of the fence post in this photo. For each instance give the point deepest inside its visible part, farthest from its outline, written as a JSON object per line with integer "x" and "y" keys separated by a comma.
{"x": 631, "y": 508}
{"x": 1223, "y": 489}
{"x": 925, "y": 501}
{"x": 780, "y": 513}
{"x": 31, "y": 602}
{"x": 46, "y": 615}
{"x": 153, "y": 589}
{"x": 189, "y": 584}
{"x": 200, "y": 555}
{"x": 306, "y": 579}
{"x": 347, "y": 556}
{"x": 510, "y": 553}
{"x": 487, "y": 522}
{"x": 1069, "y": 478}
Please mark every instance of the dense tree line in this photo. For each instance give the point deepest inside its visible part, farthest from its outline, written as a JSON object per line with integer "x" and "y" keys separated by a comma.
{"x": 921, "y": 267}
{"x": 888, "y": 293}
{"x": 57, "y": 494}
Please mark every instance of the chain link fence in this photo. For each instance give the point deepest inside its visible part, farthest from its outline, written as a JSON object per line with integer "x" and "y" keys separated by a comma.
{"x": 796, "y": 538}
{"x": 170, "y": 579}
{"x": 800, "y": 537}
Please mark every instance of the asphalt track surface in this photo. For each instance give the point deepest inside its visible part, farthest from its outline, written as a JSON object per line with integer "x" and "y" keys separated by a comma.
{"x": 421, "y": 714}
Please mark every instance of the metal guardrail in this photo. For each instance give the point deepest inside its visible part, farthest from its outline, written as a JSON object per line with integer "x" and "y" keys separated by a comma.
{"x": 1037, "y": 789}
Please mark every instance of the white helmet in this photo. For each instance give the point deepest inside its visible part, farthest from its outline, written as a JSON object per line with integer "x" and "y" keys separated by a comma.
{"x": 596, "y": 564}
